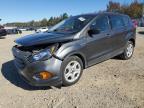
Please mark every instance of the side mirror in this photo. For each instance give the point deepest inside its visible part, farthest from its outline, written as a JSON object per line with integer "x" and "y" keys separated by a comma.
{"x": 93, "y": 31}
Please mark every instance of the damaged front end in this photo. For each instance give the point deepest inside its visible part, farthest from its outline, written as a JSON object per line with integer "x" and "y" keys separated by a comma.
{"x": 36, "y": 57}
{"x": 38, "y": 52}
{"x": 37, "y": 64}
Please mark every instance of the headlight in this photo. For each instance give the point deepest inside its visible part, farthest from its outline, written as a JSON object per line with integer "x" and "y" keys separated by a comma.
{"x": 42, "y": 55}
{"x": 45, "y": 54}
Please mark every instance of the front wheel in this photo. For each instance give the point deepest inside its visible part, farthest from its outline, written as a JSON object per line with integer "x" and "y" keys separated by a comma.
{"x": 72, "y": 69}
{"x": 128, "y": 52}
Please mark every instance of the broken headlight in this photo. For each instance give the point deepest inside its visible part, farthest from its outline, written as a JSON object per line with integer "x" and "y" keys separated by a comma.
{"x": 44, "y": 54}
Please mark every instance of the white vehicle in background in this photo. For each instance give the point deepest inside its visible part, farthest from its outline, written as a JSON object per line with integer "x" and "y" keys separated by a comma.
{"x": 22, "y": 29}
{"x": 43, "y": 29}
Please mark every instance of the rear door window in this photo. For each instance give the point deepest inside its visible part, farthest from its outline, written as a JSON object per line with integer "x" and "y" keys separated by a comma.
{"x": 127, "y": 21}
{"x": 116, "y": 21}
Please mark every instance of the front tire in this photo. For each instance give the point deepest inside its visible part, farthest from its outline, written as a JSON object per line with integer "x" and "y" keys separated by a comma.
{"x": 128, "y": 52}
{"x": 72, "y": 69}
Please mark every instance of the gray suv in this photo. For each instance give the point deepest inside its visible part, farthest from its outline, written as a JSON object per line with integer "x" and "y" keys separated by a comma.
{"x": 59, "y": 55}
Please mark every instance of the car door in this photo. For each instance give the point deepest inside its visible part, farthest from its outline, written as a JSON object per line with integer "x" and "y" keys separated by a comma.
{"x": 118, "y": 33}
{"x": 98, "y": 45}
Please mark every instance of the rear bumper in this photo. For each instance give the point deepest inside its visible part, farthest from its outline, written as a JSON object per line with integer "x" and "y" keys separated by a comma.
{"x": 29, "y": 70}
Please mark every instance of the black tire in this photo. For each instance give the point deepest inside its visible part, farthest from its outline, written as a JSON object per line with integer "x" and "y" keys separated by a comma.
{"x": 124, "y": 55}
{"x": 64, "y": 64}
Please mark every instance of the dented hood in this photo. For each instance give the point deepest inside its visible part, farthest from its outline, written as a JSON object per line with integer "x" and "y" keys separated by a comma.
{"x": 44, "y": 38}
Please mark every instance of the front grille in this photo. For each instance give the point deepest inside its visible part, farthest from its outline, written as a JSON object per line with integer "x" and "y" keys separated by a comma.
{"x": 20, "y": 63}
{"x": 21, "y": 58}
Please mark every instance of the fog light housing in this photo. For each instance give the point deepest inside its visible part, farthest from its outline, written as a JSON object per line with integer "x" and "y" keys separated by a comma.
{"x": 45, "y": 75}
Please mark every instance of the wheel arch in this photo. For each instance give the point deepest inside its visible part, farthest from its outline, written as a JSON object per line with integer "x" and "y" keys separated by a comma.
{"x": 80, "y": 55}
{"x": 131, "y": 36}
{"x": 132, "y": 40}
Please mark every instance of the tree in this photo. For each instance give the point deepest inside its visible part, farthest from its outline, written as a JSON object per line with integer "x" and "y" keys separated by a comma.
{"x": 134, "y": 9}
{"x": 44, "y": 22}
{"x": 31, "y": 23}
{"x": 65, "y": 16}
{"x": 51, "y": 21}
{"x": 113, "y": 6}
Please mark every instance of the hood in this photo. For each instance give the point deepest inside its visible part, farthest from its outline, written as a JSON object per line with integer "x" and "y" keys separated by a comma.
{"x": 44, "y": 38}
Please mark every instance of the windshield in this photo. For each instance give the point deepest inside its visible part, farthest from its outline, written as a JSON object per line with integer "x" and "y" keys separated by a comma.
{"x": 72, "y": 24}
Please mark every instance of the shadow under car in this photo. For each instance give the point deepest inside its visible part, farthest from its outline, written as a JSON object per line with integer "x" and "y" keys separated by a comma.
{"x": 9, "y": 71}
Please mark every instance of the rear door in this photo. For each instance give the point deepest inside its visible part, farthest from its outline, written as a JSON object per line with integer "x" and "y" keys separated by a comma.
{"x": 98, "y": 45}
{"x": 118, "y": 32}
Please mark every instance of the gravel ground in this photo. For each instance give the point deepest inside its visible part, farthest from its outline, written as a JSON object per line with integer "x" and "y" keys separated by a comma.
{"x": 111, "y": 84}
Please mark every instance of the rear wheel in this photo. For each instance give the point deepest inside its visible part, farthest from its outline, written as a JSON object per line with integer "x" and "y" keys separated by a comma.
{"x": 128, "y": 52}
{"x": 72, "y": 69}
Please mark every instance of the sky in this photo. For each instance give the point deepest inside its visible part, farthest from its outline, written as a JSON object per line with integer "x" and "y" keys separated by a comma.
{"x": 27, "y": 10}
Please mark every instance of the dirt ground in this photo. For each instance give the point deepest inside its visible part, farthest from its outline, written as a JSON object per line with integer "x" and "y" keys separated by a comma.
{"x": 111, "y": 84}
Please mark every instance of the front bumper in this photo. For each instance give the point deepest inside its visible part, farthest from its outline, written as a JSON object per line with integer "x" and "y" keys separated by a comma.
{"x": 27, "y": 70}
